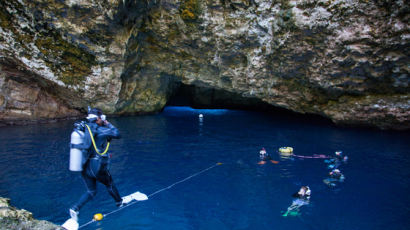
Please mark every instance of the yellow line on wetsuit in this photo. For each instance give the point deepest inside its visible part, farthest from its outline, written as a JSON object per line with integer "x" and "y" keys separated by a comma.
{"x": 95, "y": 146}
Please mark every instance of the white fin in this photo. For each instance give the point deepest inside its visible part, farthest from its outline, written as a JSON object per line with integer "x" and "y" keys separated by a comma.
{"x": 127, "y": 199}
{"x": 134, "y": 196}
{"x": 139, "y": 196}
{"x": 70, "y": 224}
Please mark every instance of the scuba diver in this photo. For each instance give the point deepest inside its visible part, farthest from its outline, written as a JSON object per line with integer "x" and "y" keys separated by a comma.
{"x": 336, "y": 160}
{"x": 335, "y": 176}
{"x": 263, "y": 155}
{"x": 302, "y": 198}
{"x": 97, "y": 134}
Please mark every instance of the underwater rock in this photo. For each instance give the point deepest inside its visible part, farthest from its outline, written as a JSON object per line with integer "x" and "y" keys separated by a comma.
{"x": 345, "y": 60}
{"x": 12, "y": 218}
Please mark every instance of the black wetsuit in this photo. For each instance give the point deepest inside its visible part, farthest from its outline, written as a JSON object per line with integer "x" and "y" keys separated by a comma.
{"x": 96, "y": 167}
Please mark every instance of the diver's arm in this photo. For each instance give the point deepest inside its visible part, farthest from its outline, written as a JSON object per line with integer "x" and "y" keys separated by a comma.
{"x": 108, "y": 130}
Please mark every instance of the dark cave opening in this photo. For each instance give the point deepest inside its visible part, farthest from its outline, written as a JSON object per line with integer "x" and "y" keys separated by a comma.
{"x": 205, "y": 97}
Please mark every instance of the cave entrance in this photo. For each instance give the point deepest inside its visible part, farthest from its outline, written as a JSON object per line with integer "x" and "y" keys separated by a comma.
{"x": 204, "y": 97}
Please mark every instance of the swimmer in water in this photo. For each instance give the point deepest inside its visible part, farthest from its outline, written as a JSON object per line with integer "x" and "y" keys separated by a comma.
{"x": 335, "y": 176}
{"x": 302, "y": 198}
{"x": 264, "y": 157}
{"x": 336, "y": 160}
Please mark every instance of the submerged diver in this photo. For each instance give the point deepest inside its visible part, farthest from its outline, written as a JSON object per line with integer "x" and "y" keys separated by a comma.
{"x": 302, "y": 198}
{"x": 335, "y": 176}
{"x": 98, "y": 133}
{"x": 336, "y": 160}
{"x": 264, "y": 156}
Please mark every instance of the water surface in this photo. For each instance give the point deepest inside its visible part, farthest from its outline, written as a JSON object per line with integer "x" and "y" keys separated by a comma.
{"x": 159, "y": 150}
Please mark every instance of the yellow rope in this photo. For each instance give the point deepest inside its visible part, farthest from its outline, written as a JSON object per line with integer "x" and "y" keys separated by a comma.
{"x": 95, "y": 146}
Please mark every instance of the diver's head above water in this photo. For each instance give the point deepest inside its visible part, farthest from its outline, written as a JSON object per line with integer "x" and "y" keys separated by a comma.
{"x": 335, "y": 172}
{"x": 304, "y": 191}
{"x": 96, "y": 115}
{"x": 345, "y": 158}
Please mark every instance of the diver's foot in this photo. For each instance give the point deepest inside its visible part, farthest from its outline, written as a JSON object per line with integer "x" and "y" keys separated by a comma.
{"x": 74, "y": 214}
{"x": 120, "y": 204}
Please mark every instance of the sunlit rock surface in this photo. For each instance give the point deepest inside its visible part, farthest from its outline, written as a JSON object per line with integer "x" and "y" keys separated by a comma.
{"x": 12, "y": 218}
{"x": 345, "y": 60}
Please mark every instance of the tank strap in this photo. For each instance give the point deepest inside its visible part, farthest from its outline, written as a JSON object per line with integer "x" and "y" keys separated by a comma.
{"x": 76, "y": 146}
{"x": 95, "y": 146}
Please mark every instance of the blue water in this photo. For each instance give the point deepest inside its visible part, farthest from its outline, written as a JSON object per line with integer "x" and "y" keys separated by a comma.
{"x": 159, "y": 150}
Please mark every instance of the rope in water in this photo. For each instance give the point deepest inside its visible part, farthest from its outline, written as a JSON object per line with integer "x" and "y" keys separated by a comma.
{"x": 315, "y": 156}
{"x": 154, "y": 193}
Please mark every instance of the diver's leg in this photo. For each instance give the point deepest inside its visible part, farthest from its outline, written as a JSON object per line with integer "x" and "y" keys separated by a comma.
{"x": 292, "y": 207}
{"x": 105, "y": 178}
{"x": 91, "y": 185}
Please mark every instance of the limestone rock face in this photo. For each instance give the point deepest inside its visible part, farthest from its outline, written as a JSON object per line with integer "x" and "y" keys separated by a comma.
{"x": 345, "y": 60}
{"x": 12, "y": 218}
{"x": 73, "y": 44}
{"x": 25, "y": 98}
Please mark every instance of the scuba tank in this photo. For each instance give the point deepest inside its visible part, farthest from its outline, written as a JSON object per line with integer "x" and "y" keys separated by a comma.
{"x": 76, "y": 154}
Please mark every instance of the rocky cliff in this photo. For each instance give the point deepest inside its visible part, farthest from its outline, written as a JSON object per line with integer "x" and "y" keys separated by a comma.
{"x": 12, "y": 218}
{"x": 347, "y": 60}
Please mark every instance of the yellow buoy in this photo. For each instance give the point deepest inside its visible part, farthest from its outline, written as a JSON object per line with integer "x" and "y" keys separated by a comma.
{"x": 287, "y": 151}
{"x": 219, "y": 163}
{"x": 98, "y": 216}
